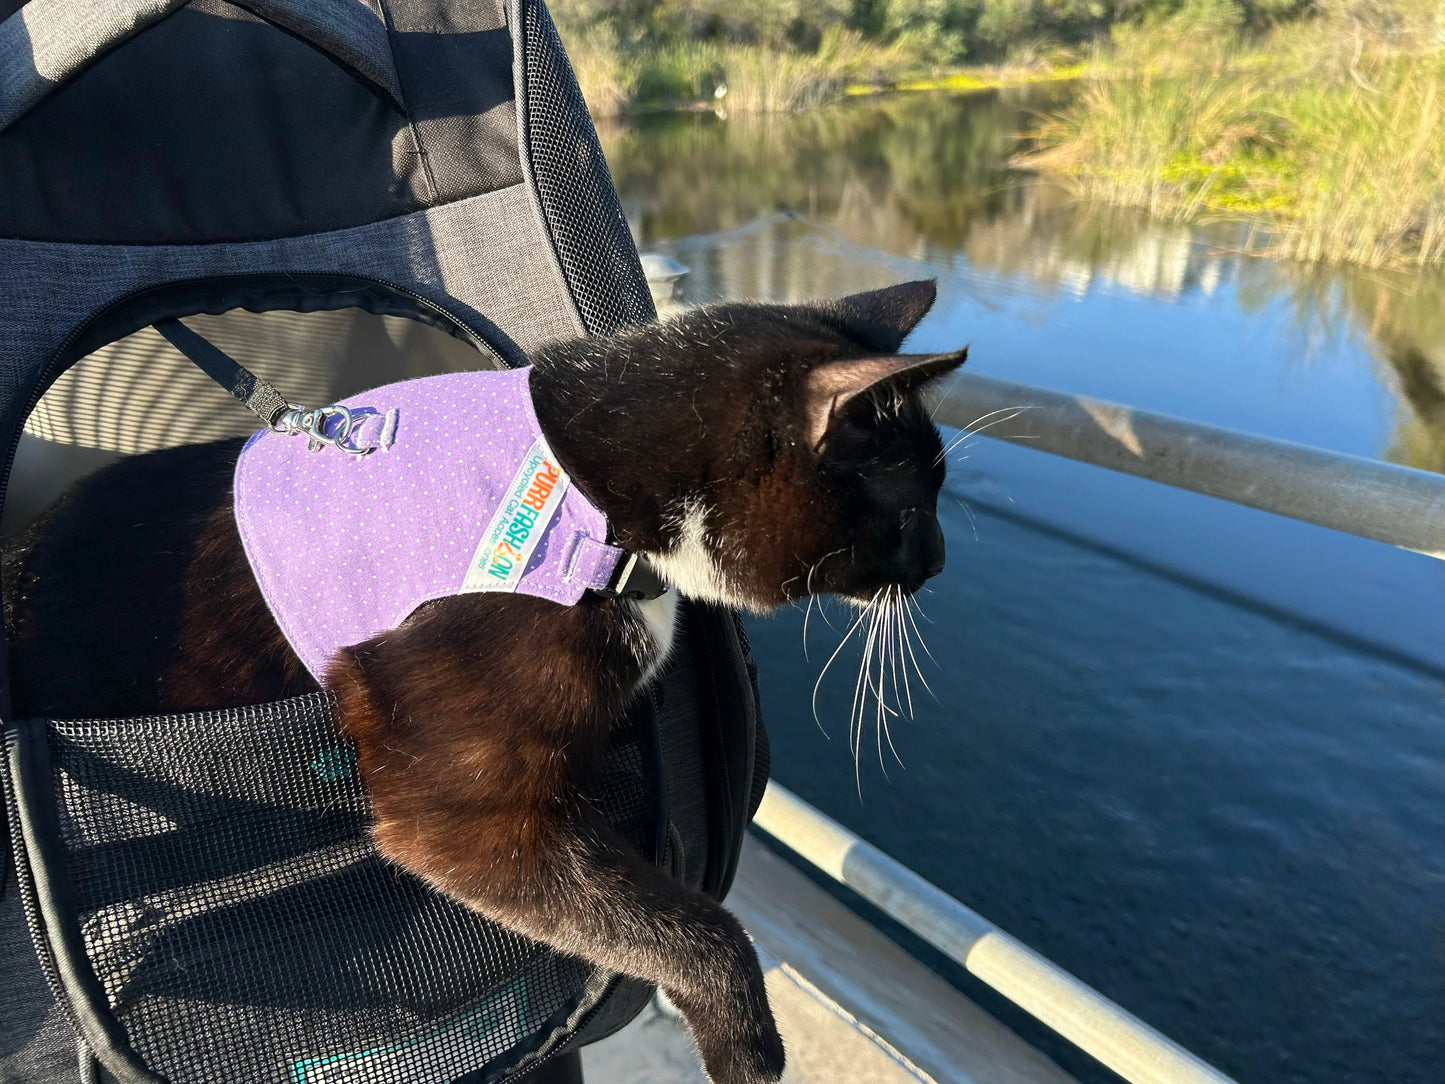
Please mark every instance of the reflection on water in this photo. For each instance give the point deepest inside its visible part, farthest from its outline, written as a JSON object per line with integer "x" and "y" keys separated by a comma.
{"x": 1193, "y": 752}
{"x": 758, "y": 205}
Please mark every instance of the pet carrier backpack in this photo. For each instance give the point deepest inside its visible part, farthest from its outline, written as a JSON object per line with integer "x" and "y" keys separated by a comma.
{"x": 196, "y": 897}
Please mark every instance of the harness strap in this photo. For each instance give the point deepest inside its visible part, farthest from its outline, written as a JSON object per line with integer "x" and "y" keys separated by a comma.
{"x": 633, "y": 576}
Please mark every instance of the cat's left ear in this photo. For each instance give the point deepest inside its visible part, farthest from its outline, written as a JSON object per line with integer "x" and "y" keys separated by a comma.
{"x": 832, "y": 385}
{"x": 881, "y": 319}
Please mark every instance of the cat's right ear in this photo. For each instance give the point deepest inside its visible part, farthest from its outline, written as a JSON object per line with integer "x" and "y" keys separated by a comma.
{"x": 881, "y": 319}
{"x": 832, "y": 385}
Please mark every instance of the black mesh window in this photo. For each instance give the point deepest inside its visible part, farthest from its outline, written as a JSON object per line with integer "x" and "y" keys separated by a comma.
{"x": 579, "y": 202}
{"x": 243, "y": 928}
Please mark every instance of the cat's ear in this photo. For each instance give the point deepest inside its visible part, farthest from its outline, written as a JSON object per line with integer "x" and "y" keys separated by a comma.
{"x": 881, "y": 319}
{"x": 832, "y": 385}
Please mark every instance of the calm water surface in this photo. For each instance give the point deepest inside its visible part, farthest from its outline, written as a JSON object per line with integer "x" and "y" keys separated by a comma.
{"x": 1192, "y": 752}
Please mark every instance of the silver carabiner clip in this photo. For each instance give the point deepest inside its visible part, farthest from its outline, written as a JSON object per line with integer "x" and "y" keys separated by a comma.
{"x": 313, "y": 422}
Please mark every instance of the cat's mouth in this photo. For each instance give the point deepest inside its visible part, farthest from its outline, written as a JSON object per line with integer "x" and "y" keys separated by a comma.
{"x": 863, "y": 600}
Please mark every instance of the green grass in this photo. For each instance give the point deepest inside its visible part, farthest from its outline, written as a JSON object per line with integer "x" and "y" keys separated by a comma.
{"x": 1332, "y": 141}
{"x": 734, "y": 77}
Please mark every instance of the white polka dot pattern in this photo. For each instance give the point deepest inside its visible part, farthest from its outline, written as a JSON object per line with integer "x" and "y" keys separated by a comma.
{"x": 344, "y": 547}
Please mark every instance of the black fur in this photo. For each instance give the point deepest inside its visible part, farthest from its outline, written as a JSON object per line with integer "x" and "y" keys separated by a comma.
{"x": 756, "y": 453}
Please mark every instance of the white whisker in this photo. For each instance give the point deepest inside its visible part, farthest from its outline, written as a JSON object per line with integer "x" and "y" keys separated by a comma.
{"x": 923, "y": 644}
{"x": 893, "y": 617}
{"x": 934, "y": 412}
{"x": 902, "y": 629}
{"x": 823, "y": 612}
{"x": 908, "y": 642}
{"x": 860, "y": 699}
{"x": 971, "y": 522}
{"x": 878, "y": 689}
{"x": 895, "y": 593}
{"x": 918, "y": 609}
{"x": 822, "y": 673}
{"x": 973, "y": 428}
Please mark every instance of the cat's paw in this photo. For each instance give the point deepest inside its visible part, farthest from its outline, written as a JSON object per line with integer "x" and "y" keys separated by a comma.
{"x": 762, "y": 1064}
{"x": 748, "y": 1052}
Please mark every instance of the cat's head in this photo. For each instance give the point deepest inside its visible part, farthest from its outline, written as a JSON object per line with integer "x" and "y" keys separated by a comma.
{"x": 760, "y": 453}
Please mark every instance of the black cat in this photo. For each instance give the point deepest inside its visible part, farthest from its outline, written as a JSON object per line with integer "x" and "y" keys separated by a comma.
{"x": 752, "y": 453}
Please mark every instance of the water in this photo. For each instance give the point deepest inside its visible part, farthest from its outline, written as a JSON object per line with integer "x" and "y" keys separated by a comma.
{"x": 1193, "y": 752}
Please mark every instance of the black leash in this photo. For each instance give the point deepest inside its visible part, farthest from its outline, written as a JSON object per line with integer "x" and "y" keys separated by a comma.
{"x": 329, "y": 425}
{"x": 251, "y": 391}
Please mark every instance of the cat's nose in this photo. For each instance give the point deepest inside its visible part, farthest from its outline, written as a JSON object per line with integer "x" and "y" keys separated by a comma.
{"x": 922, "y": 541}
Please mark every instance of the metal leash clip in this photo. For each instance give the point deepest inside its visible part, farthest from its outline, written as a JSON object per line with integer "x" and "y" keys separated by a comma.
{"x": 314, "y": 422}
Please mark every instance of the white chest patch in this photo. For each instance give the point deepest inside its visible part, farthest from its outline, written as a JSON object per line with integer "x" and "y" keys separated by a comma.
{"x": 689, "y": 566}
{"x": 660, "y": 616}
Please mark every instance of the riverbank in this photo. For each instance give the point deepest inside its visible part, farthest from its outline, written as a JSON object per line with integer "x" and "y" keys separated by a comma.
{"x": 746, "y": 78}
{"x": 786, "y": 55}
{"x": 1328, "y": 136}
{"x": 1324, "y": 135}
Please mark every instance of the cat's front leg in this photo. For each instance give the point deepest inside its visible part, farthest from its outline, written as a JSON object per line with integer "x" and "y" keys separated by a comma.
{"x": 561, "y": 877}
{"x": 598, "y": 901}
{"x": 477, "y": 791}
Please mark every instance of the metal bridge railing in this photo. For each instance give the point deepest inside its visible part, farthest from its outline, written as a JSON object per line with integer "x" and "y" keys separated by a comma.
{"x": 1079, "y": 1013}
{"x": 1399, "y": 505}
{"x": 1380, "y": 501}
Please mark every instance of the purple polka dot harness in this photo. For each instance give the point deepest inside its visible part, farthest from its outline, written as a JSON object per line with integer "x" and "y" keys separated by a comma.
{"x": 458, "y": 493}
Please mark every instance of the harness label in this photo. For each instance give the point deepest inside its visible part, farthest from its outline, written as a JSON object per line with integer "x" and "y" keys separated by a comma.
{"x": 528, "y": 505}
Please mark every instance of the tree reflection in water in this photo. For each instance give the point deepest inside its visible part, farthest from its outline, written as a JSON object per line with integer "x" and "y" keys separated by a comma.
{"x": 926, "y": 179}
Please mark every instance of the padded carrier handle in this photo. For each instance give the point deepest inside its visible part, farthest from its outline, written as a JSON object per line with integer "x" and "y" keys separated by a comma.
{"x": 47, "y": 42}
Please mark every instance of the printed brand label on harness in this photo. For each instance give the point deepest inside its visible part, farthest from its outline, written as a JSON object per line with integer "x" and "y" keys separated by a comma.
{"x": 531, "y": 499}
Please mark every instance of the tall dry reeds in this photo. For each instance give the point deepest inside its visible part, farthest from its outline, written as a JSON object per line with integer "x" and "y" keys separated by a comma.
{"x": 1330, "y": 134}
{"x": 735, "y": 77}
{"x": 1170, "y": 144}
{"x": 1369, "y": 184}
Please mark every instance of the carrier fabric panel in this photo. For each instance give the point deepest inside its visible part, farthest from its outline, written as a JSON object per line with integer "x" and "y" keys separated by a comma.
{"x": 240, "y": 926}
{"x": 36, "y": 1042}
{"x": 533, "y": 262}
{"x": 484, "y": 259}
{"x": 157, "y": 121}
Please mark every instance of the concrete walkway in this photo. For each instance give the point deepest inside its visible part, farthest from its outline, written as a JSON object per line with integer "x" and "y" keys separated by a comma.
{"x": 853, "y": 1007}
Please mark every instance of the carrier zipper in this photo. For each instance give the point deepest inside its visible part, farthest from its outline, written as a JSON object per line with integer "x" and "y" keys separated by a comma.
{"x": 562, "y": 1047}
{"x": 24, "y": 886}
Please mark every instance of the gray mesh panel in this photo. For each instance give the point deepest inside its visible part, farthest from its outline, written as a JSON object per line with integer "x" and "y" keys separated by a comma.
{"x": 243, "y": 928}
{"x": 584, "y": 216}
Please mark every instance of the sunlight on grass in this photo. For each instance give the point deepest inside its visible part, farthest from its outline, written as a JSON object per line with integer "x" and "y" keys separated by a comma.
{"x": 1328, "y": 132}
{"x": 724, "y": 75}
